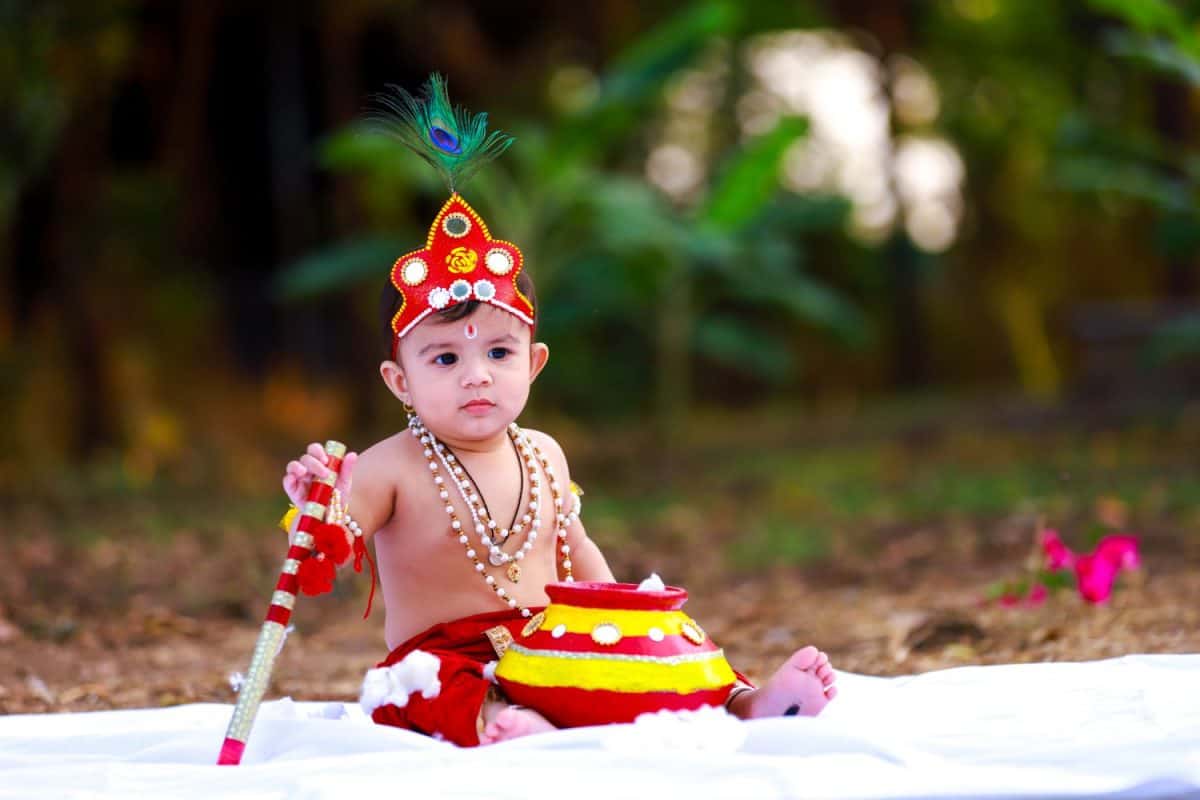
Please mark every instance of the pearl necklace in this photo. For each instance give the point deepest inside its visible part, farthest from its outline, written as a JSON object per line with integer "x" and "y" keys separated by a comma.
{"x": 435, "y": 451}
{"x": 490, "y": 534}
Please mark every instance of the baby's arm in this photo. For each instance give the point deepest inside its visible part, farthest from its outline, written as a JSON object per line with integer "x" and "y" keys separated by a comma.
{"x": 364, "y": 494}
{"x": 587, "y": 562}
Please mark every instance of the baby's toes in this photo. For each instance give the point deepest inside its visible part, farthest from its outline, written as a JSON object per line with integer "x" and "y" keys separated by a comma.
{"x": 831, "y": 691}
{"x": 507, "y": 719}
{"x": 805, "y": 658}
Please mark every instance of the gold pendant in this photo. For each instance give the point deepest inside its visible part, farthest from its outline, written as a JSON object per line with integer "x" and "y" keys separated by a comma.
{"x": 514, "y": 572}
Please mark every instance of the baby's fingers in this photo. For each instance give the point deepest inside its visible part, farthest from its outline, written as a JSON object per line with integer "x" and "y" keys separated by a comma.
{"x": 346, "y": 475}
{"x": 314, "y": 466}
{"x": 299, "y": 474}
{"x": 293, "y": 485}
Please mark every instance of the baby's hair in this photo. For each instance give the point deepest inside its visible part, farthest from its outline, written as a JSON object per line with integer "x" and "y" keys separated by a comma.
{"x": 389, "y": 304}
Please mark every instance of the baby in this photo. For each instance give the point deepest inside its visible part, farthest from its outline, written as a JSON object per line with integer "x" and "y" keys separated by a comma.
{"x": 472, "y": 515}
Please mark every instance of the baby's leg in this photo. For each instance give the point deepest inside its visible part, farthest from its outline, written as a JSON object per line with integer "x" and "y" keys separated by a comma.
{"x": 803, "y": 685}
{"x": 503, "y": 722}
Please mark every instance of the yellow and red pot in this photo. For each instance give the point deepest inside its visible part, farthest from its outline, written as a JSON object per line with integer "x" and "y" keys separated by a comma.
{"x": 606, "y": 652}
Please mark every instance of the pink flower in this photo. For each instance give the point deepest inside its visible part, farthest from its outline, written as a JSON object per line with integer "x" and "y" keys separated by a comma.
{"x": 1008, "y": 600}
{"x": 1037, "y": 595}
{"x": 1058, "y": 555}
{"x": 1119, "y": 550}
{"x": 1094, "y": 575}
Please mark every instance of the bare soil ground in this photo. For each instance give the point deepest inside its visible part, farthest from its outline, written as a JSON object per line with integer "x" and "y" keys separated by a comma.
{"x": 74, "y": 648}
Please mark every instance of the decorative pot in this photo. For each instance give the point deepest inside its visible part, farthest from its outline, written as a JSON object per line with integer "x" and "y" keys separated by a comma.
{"x": 607, "y": 652}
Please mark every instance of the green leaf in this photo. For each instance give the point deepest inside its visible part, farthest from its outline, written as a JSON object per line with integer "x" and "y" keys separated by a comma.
{"x": 774, "y": 282}
{"x": 751, "y": 179}
{"x": 1057, "y": 579}
{"x": 328, "y": 270}
{"x": 1079, "y": 134}
{"x": 746, "y": 347}
{"x": 357, "y": 148}
{"x": 802, "y": 214}
{"x": 662, "y": 52}
{"x": 1136, "y": 181}
{"x": 629, "y": 216}
{"x": 1157, "y": 54}
{"x": 1151, "y": 17}
{"x": 635, "y": 79}
{"x": 821, "y": 306}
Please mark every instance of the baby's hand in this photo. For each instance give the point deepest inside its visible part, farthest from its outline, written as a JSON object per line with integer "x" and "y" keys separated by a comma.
{"x": 299, "y": 474}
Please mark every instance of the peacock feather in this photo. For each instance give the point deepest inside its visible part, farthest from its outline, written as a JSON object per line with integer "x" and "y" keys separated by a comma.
{"x": 453, "y": 140}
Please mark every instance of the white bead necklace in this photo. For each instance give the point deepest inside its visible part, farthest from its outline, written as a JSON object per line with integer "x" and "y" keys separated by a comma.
{"x": 490, "y": 534}
{"x": 532, "y": 457}
{"x": 471, "y": 496}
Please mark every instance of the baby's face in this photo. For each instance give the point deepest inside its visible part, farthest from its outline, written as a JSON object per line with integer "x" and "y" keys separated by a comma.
{"x": 469, "y": 379}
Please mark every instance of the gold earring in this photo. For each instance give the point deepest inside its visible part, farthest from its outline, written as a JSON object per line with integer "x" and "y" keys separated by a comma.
{"x": 409, "y": 410}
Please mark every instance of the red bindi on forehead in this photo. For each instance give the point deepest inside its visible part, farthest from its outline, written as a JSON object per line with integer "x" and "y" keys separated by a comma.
{"x": 484, "y": 324}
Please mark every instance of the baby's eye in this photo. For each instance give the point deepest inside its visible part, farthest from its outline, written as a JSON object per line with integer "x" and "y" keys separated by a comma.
{"x": 498, "y": 353}
{"x": 445, "y": 359}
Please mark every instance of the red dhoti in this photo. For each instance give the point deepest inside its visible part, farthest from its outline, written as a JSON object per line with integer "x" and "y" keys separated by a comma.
{"x": 464, "y": 649}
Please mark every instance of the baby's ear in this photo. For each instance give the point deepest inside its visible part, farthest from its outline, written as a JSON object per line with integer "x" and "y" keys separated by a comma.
{"x": 395, "y": 379}
{"x": 539, "y": 354}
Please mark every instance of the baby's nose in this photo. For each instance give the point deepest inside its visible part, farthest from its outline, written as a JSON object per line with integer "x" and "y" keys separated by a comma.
{"x": 477, "y": 375}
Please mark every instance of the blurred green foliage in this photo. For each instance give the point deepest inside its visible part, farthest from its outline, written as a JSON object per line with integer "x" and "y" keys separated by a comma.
{"x": 624, "y": 275}
{"x": 52, "y": 55}
{"x": 665, "y": 311}
{"x": 1111, "y": 155}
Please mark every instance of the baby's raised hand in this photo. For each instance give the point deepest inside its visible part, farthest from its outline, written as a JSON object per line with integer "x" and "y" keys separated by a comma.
{"x": 298, "y": 476}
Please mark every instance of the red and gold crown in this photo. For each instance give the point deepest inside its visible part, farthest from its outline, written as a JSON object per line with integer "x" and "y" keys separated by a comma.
{"x": 460, "y": 262}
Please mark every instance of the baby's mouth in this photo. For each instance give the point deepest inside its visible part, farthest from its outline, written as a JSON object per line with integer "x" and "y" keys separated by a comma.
{"x": 478, "y": 404}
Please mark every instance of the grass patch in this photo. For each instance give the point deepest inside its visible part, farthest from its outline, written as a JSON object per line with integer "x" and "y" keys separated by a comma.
{"x": 779, "y": 541}
{"x": 771, "y": 492}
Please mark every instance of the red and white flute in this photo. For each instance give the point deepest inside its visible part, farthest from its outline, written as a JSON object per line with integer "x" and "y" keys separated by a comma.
{"x": 283, "y": 600}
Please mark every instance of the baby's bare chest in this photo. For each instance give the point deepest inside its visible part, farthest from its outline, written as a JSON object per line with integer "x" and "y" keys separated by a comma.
{"x": 447, "y": 521}
{"x": 443, "y": 533}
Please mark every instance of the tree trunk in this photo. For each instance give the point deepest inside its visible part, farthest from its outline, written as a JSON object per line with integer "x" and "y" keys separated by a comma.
{"x": 1173, "y": 121}
{"x": 70, "y": 260}
{"x": 891, "y": 23}
{"x": 673, "y": 384}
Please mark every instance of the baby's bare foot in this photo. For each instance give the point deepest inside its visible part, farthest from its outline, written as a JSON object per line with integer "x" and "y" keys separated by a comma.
{"x": 513, "y": 721}
{"x": 803, "y": 685}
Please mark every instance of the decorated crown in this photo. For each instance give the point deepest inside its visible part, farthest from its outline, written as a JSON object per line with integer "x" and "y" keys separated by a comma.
{"x": 460, "y": 261}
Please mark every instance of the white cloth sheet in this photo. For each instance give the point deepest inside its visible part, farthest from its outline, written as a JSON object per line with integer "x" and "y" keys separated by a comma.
{"x": 1126, "y": 727}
